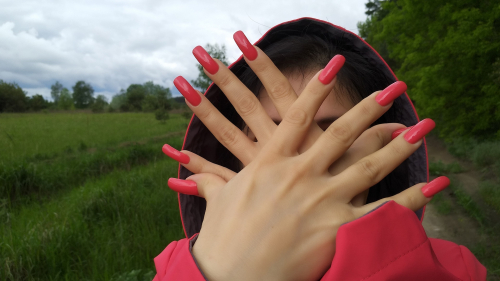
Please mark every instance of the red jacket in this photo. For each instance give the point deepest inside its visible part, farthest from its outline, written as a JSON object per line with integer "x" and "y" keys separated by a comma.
{"x": 387, "y": 244}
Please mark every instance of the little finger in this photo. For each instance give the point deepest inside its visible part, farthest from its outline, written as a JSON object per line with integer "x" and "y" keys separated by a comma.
{"x": 197, "y": 164}
{"x": 413, "y": 198}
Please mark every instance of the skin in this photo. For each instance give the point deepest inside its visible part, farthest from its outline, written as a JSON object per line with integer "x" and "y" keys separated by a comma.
{"x": 299, "y": 182}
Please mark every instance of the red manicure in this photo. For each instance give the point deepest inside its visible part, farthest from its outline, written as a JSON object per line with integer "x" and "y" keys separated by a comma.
{"x": 331, "y": 69}
{"x": 420, "y": 130}
{"x": 435, "y": 186}
{"x": 187, "y": 90}
{"x": 398, "y": 132}
{"x": 205, "y": 60}
{"x": 183, "y": 186}
{"x": 391, "y": 93}
{"x": 245, "y": 46}
{"x": 175, "y": 154}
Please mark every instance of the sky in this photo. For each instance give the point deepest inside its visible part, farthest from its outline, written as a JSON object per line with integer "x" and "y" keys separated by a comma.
{"x": 112, "y": 44}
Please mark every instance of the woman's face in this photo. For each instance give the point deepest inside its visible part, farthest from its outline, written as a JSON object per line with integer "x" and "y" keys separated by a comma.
{"x": 332, "y": 108}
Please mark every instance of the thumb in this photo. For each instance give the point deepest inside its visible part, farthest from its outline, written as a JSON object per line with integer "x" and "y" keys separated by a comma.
{"x": 202, "y": 185}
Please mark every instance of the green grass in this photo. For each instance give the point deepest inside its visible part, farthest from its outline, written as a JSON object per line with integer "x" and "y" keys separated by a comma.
{"x": 110, "y": 227}
{"x": 490, "y": 193}
{"x": 31, "y": 181}
{"x": 442, "y": 204}
{"x": 439, "y": 168}
{"x": 40, "y": 136}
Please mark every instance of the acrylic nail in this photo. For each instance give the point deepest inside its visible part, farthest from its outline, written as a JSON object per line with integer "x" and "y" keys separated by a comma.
{"x": 435, "y": 186}
{"x": 391, "y": 93}
{"x": 183, "y": 186}
{"x": 175, "y": 154}
{"x": 187, "y": 90}
{"x": 398, "y": 132}
{"x": 331, "y": 69}
{"x": 420, "y": 130}
{"x": 205, "y": 60}
{"x": 245, "y": 46}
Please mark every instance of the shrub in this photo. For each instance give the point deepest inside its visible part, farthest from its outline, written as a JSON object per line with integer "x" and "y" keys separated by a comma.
{"x": 161, "y": 114}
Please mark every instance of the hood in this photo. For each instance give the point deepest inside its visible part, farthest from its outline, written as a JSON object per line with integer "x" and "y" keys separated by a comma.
{"x": 199, "y": 140}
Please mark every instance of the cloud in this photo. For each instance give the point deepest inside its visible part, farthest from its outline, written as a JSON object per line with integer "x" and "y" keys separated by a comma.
{"x": 111, "y": 44}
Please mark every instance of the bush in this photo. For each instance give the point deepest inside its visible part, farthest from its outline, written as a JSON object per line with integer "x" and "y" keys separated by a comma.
{"x": 161, "y": 115}
{"x": 439, "y": 168}
{"x": 486, "y": 154}
{"x": 187, "y": 115}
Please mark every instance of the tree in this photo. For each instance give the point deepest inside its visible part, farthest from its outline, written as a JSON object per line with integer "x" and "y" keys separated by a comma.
{"x": 99, "y": 104}
{"x": 216, "y": 51}
{"x": 83, "y": 94}
{"x": 37, "y": 102}
{"x": 55, "y": 91}
{"x": 12, "y": 98}
{"x": 135, "y": 96}
{"x": 65, "y": 100}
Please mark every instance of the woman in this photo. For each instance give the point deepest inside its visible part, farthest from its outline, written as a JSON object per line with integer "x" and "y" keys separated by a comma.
{"x": 308, "y": 204}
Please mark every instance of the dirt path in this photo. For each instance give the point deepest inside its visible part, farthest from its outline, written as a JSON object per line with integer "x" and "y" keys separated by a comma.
{"x": 455, "y": 226}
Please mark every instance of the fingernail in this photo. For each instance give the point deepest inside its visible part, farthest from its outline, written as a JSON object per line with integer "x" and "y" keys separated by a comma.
{"x": 420, "y": 130}
{"x": 391, "y": 93}
{"x": 175, "y": 154}
{"x": 398, "y": 132}
{"x": 331, "y": 69}
{"x": 205, "y": 60}
{"x": 245, "y": 46}
{"x": 435, "y": 186}
{"x": 183, "y": 186}
{"x": 187, "y": 90}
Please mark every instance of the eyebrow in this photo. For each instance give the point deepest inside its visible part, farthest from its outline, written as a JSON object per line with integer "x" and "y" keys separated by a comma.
{"x": 330, "y": 119}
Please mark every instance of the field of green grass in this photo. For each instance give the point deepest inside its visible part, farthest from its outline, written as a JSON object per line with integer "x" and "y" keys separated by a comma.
{"x": 85, "y": 196}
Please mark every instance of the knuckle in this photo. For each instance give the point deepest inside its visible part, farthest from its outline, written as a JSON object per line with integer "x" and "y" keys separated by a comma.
{"x": 370, "y": 169}
{"x": 227, "y": 136}
{"x": 365, "y": 109}
{"x": 296, "y": 116}
{"x": 247, "y": 105}
{"x": 280, "y": 90}
{"x": 204, "y": 113}
{"x": 340, "y": 132}
{"x": 224, "y": 81}
{"x": 397, "y": 150}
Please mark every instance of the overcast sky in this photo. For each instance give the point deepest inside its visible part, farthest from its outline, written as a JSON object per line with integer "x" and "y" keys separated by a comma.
{"x": 112, "y": 44}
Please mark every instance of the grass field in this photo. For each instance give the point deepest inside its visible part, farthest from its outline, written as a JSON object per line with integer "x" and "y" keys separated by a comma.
{"x": 84, "y": 196}
{"x": 41, "y": 135}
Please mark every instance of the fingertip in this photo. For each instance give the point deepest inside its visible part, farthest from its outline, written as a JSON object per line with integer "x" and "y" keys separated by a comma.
{"x": 435, "y": 186}
{"x": 187, "y": 187}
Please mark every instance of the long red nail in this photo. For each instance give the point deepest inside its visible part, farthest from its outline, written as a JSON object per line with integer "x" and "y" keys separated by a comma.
{"x": 391, "y": 93}
{"x": 205, "y": 60}
{"x": 187, "y": 90}
{"x": 183, "y": 186}
{"x": 175, "y": 154}
{"x": 245, "y": 46}
{"x": 331, "y": 69}
{"x": 420, "y": 130}
{"x": 398, "y": 132}
{"x": 435, "y": 186}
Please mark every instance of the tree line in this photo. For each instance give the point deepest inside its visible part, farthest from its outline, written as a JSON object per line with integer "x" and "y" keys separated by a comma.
{"x": 448, "y": 52}
{"x": 137, "y": 97}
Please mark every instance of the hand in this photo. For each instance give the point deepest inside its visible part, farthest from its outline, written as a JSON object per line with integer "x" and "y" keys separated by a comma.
{"x": 277, "y": 218}
{"x": 248, "y": 106}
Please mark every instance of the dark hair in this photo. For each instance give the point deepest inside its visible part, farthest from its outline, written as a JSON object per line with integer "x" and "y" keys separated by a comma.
{"x": 357, "y": 79}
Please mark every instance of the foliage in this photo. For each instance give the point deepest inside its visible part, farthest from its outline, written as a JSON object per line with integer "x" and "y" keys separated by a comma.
{"x": 83, "y": 94}
{"x": 216, "y": 51}
{"x": 65, "y": 101}
{"x": 446, "y": 53}
{"x": 99, "y": 104}
{"x": 490, "y": 192}
{"x": 161, "y": 115}
{"x": 12, "y": 98}
{"x": 439, "y": 168}
{"x": 37, "y": 102}
{"x": 55, "y": 91}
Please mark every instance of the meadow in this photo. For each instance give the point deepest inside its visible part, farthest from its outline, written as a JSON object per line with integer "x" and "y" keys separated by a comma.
{"x": 84, "y": 196}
